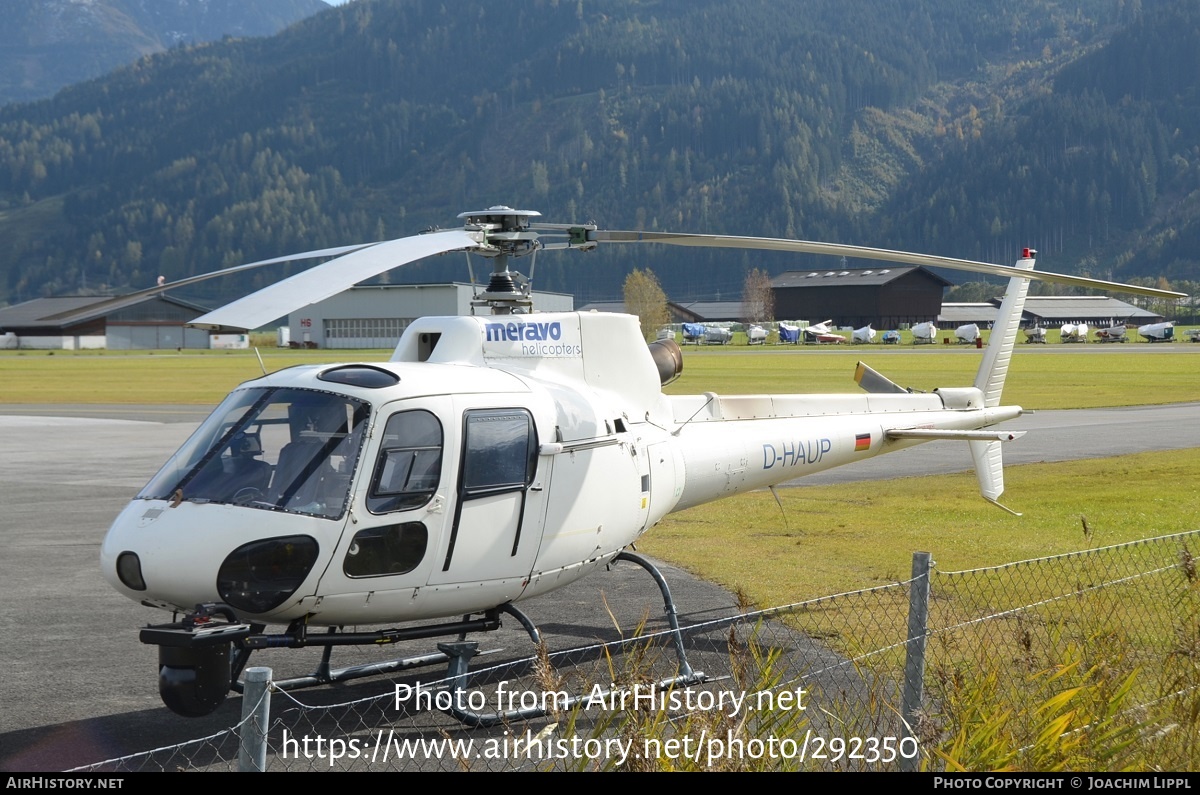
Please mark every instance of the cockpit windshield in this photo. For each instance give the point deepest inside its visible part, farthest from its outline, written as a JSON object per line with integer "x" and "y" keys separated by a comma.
{"x": 278, "y": 449}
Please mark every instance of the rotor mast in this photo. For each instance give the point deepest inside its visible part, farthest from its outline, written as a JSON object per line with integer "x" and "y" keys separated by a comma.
{"x": 509, "y": 234}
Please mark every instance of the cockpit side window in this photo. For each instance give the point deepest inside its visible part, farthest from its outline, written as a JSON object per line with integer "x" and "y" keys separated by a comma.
{"x": 409, "y": 466}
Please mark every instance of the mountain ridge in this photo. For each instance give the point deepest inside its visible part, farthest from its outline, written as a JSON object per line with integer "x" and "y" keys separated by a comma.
{"x": 920, "y": 125}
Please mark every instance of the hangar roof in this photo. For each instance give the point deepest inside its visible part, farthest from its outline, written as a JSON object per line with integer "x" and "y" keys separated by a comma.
{"x": 967, "y": 313}
{"x": 687, "y": 312}
{"x": 33, "y": 314}
{"x": 1081, "y": 307}
{"x": 841, "y": 277}
{"x": 714, "y": 310}
{"x": 28, "y": 314}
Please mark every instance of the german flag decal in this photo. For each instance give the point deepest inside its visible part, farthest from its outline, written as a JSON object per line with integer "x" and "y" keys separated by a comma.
{"x": 862, "y": 442}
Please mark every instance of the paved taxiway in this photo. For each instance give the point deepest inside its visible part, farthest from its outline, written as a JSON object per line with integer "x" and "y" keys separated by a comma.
{"x": 77, "y": 687}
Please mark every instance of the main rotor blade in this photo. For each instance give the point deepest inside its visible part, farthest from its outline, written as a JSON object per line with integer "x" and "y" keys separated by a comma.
{"x": 122, "y": 301}
{"x": 330, "y": 278}
{"x": 863, "y": 252}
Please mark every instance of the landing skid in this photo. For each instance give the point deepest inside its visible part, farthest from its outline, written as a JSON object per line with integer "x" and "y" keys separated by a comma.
{"x": 296, "y": 637}
{"x": 460, "y": 655}
{"x": 202, "y": 657}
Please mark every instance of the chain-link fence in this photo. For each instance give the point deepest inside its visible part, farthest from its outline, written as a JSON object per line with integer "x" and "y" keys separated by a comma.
{"x": 1089, "y": 660}
{"x": 1095, "y": 654}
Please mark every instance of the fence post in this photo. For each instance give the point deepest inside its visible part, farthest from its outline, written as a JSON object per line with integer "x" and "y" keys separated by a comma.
{"x": 256, "y": 716}
{"x": 914, "y": 655}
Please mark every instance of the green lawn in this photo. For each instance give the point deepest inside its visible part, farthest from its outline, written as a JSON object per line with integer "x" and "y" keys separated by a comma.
{"x": 148, "y": 377}
{"x": 831, "y": 539}
{"x": 1057, "y": 379}
{"x": 823, "y": 540}
{"x": 1133, "y": 375}
{"x": 845, "y": 536}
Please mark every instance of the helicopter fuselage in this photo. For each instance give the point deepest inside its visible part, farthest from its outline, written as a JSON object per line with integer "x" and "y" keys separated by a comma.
{"x": 492, "y": 460}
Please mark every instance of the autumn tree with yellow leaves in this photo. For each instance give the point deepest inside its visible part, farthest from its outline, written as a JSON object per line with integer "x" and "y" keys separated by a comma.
{"x": 645, "y": 298}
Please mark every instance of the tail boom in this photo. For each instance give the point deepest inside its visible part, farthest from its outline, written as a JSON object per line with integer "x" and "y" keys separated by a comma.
{"x": 721, "y": 456}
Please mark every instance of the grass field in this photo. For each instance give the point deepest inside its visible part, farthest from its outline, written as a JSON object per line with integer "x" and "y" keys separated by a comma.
{"x": 1039, "y": 379}
{"x": 944, "y": 337}
{"x": 831, "y": 539}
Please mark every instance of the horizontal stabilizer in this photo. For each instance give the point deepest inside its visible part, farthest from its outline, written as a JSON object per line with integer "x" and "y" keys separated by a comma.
{"x": 969, "y": 436}
{"x": 872, "y": 381}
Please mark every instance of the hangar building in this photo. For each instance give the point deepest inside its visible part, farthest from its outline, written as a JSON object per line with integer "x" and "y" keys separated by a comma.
{"x": 884, "y": 297}
{"x": 690, "y": 312}
{"x": 154, "y": 323}
{"x": 954, "y": 315}
{"x": 1052, "y": 311}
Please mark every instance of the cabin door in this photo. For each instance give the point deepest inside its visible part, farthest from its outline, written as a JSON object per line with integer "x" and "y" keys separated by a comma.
{"x": 500, "y": 508}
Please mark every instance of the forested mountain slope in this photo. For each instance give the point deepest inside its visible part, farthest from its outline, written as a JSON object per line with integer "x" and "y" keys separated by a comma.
{"x": 964, "y": 129}
{"x": 48, "y": 44}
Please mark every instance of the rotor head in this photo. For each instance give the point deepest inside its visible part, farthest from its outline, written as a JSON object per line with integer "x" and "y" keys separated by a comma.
{"x": 506, "y": 231}
{"x": 506, "y": 234}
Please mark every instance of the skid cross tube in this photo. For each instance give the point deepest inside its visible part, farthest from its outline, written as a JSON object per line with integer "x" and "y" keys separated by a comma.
{"x": 297, "y": 637}
{"x": 460, "y": 655}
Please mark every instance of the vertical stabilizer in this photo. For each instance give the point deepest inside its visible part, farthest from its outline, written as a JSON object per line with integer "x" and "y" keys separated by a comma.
{"x": 989, "y": 469}
{"x": 994, "y": 368}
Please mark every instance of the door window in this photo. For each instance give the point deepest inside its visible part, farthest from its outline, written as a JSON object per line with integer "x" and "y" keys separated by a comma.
{"x": 499, "y": 451}
{"x": 410, "y": 463}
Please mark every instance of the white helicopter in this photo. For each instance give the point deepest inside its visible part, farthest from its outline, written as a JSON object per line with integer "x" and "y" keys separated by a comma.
{"x": 493, "y": 459}
{"x": 1073, "y": 332}
{"x": 1112, "y": 334}
{"x": 863, "y": 336}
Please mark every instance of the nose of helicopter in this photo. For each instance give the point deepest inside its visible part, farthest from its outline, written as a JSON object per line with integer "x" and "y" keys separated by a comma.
{"x": 178, "y": 557}
{"x": 142, "y": 558}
